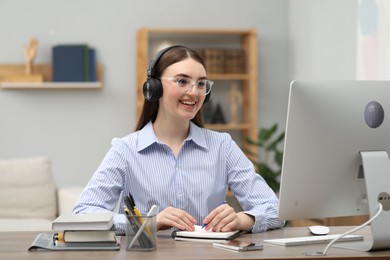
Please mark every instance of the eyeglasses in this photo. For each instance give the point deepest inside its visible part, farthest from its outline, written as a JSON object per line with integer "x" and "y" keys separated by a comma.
{"x": 185, "y": 85}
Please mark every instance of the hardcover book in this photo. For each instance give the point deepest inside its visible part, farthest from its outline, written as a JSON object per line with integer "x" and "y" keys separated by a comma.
{"x": 70, "y": 63}
{"x": 90, "y": 221}
{"x": 89, "y": 236}
{"x": 214, "y": 60}
{"x": 92, "y": 65}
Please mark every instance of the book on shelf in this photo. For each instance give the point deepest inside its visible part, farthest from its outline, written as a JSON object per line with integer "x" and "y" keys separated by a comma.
{"x": 92, "y": 65}
{"x": 87, "y": 221}
{"x": 68, "y": 62}
{"x": 202, "y": 235}
{"x": 214, "y": 60}
{"x": 73, "y": 63}
{"x": 234, "y": 61}
{"x": 224, "y": 60}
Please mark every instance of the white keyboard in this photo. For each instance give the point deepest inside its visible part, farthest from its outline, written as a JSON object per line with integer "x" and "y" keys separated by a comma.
{"x": 297, "y": 241}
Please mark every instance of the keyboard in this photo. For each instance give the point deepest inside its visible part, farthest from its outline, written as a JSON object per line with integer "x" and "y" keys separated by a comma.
{"x": 298, "y": 241}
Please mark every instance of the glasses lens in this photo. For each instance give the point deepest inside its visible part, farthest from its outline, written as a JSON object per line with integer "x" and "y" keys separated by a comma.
{"x": 185, "y": 85}
{"x": 202, "y": 86}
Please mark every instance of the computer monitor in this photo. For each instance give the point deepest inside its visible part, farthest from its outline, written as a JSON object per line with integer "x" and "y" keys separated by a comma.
{"x": 335, "y": 154}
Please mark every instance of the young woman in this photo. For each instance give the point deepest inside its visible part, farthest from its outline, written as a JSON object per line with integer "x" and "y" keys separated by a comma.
{"x": 173, "y": 162}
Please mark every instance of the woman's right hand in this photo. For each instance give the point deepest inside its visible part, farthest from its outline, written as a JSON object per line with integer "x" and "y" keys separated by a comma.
{"x": 177, "y": 218}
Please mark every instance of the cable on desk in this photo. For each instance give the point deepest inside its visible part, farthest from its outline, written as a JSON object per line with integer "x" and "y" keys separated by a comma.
{"x": 323, "y": 253}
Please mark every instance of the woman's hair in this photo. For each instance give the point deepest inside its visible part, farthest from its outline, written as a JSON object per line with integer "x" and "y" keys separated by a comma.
{"x": 173, "y": 55}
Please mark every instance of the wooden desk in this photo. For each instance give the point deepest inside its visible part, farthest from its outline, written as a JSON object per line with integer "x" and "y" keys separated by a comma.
{"x": 14, "y": 245}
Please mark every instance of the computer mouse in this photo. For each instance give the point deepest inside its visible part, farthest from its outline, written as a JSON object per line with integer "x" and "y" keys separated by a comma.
{"x": 318, "y": 230}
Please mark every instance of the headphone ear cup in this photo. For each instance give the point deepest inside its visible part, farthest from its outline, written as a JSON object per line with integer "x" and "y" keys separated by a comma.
{"x": 152, "y": 89}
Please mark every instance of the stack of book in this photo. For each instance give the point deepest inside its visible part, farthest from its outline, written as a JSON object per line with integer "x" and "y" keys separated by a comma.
{"x": 92, "y": 230}
{"x": 74, "y": 63}
{"x": 224, "y": 60}
{"x": 234, "y": 61}
{"x": 214, "y": 60}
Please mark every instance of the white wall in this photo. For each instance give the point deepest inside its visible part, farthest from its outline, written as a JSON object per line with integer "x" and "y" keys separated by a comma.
{"x": 322, "y": 39}
{"x": 74, "y": 128}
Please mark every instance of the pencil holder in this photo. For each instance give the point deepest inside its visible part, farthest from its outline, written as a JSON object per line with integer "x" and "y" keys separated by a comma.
{"x": 141, "y": 233}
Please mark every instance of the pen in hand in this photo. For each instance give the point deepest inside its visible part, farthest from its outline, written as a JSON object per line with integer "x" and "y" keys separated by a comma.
{"x": 204, "y": 225}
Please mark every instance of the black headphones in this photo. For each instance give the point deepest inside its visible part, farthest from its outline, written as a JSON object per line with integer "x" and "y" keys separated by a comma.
{"x": 152, "y": 87}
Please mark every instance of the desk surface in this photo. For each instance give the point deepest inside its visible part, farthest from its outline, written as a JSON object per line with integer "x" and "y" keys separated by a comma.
{"x": 14, "y": 245}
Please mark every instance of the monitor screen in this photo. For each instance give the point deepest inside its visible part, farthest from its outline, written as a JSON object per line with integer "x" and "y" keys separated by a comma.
{"x": 328, "y": 124}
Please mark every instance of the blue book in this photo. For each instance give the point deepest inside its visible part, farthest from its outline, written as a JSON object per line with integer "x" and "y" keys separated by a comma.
{"x": 70, "y": 63}
{"x": 92, "y": 65}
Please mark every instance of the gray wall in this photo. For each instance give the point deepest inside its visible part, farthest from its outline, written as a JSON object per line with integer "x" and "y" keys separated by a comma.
{"x": 322, "y": 39}
{"x": 74, "y": 128}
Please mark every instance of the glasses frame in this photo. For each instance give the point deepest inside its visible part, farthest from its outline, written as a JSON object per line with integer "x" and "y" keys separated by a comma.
{"x": 193, "y": 83}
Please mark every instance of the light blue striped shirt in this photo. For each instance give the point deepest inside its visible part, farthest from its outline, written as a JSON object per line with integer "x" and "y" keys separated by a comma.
{"x": 195, "y": 181}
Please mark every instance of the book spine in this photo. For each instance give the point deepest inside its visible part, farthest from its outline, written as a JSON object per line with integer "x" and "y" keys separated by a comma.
{"x": 92, "y": 65}
{"x": 86, "y": 63}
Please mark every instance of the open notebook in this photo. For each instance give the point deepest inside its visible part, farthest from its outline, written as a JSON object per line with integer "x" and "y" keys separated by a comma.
{"x": 202, "y": 235}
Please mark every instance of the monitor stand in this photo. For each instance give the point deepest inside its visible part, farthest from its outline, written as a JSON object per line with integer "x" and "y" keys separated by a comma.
{"x": 376, "y": 165}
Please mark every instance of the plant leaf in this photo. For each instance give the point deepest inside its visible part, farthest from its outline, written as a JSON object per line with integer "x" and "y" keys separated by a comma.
{"x": 279, "y": 157}
{"x": 268, "y": 148}
{"x": 265, "y": 134}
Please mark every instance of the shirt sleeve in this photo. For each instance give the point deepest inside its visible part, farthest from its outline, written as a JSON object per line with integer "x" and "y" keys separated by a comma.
{"x": 253, "y": 193}
{"x": 103, "y": 190}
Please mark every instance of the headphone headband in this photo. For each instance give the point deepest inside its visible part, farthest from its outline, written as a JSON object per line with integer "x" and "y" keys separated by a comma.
{"x": 151, "y": 73}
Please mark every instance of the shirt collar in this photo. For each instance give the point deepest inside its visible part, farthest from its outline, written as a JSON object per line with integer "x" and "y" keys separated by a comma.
{"x": 197, "y": 135}
{"x": 147, "y": 137}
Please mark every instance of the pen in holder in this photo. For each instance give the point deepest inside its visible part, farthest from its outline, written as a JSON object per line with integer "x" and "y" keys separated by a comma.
{"x": 141, "y": 231}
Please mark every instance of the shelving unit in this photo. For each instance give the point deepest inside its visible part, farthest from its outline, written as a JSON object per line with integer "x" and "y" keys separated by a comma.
{"x": 149, "y": 41}
{"x": 7, "y": 71}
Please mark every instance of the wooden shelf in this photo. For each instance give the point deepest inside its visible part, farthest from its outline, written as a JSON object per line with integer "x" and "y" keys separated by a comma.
{"x": 51, "y": 85}
{"x": 9, "y": 70}
{"x": 228, "y": 76}
{"x": 165, "y": 32}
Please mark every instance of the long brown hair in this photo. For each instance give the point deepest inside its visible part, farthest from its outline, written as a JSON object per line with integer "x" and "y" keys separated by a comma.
{"x": 173, "y": 55}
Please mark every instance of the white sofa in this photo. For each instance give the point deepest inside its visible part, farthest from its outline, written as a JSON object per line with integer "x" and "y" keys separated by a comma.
{"x": 29, "y": 198}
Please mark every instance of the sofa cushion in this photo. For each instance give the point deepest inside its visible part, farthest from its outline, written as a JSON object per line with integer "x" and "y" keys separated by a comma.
{"x": 27, "y": 189}
{"x": 67, "y": 198}
{"x": 26, "y": 224}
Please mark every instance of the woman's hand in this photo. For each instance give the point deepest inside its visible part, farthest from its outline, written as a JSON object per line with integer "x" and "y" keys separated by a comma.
{"x": 224, "y": 218}
{"x": 177, "y": 218}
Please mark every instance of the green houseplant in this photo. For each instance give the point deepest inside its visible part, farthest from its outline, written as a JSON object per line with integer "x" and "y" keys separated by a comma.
{"x": 269, "y": 157}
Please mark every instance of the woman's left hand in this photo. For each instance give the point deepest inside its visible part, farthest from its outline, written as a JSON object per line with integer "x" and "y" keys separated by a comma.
{"x": 224, "y": 218}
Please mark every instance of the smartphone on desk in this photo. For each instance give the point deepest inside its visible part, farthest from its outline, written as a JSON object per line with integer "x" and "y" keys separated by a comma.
{"x": 238, "y": 245}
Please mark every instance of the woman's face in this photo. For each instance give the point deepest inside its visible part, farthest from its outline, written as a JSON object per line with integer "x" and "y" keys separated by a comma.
{"x": 174, "y": 103}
